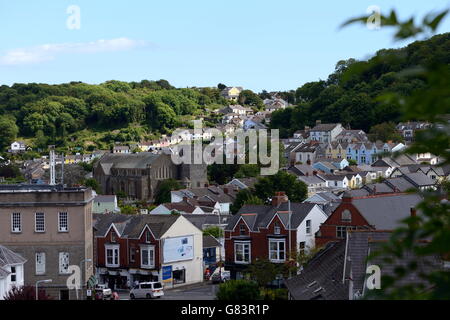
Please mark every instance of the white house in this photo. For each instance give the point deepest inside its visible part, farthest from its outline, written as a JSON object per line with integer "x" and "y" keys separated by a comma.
{"x": 188, "y": 268}
{"x": 309, "y": 226}
{"x": 11, "y": 271}
{"x": 18, "y": 146}
{"x": 325, "y": 132}
{"x": 335, "y": 181}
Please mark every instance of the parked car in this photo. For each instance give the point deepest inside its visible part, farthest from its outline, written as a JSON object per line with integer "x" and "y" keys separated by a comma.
{"x": 220, "y": 277}
{"x": 104, "y": 291}
{"x": 147, "y": 290}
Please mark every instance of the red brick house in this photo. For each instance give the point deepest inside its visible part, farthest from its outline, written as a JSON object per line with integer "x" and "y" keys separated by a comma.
{"x": 131, "y": 248}
{"x": 264, "y": 231}
{"x": 375, "y": 212}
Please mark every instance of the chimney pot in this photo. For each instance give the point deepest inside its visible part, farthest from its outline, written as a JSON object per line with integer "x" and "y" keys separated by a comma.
{"x": 279, "y": 198}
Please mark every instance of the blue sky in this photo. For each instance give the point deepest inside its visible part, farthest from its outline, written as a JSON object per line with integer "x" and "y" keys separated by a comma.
{"x": 272, "y": 45}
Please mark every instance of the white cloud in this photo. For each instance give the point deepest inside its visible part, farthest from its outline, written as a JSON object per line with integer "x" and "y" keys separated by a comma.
{"x": 48, "y": 52}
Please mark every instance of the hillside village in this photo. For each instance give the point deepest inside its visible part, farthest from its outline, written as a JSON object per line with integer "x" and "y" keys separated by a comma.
{"x": 114, "y": 203}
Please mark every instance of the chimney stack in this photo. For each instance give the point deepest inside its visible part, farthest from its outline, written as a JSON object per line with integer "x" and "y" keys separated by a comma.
{"x": 279, "y": 198}
{"x": 347, "y": 197}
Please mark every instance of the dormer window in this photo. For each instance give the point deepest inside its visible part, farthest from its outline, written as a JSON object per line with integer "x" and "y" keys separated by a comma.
{"x": 276, "y": 228}
{"x": 113, "y": 236}
{"x": 242, "y": 230}
{"x": 346, "y": 216}
{"x": 148, "y": 237}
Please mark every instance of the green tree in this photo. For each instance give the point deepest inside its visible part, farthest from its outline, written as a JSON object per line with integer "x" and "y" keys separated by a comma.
{"x": 266, "y": 187}
{"x": 244, "y": 196}
{"x": 8, "y": 131}
{"x": 92, "y": 183}
{"x": 236, "y": 290}
{"x": 164, "y": 188}
{"x": 214, "y": 231}
{"x": 385, "y": 131}
{"x": 263, "y": 272}
{"x": 248, "y": 97}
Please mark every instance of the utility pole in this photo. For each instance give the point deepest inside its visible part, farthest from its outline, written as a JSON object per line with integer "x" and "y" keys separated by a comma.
{"x": 289, "y": 217}
{"x": 62, "y": 169}
{"x": 52, "y": 165}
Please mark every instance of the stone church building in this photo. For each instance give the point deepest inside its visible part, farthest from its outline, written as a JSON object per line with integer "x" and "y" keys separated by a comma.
{"x": 139, "y": 174}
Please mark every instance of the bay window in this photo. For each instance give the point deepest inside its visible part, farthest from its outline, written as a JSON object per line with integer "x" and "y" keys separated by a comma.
{"x": 242, "y": 252}
{"x": 277, "y": 250}
{"x": 112, "y": 256}
{"x": 147, "y": 256}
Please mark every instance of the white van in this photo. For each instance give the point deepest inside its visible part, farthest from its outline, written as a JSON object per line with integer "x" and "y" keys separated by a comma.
{"x": 147, "y": 290}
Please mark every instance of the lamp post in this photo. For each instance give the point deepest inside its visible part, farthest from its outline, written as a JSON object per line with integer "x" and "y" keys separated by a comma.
{"x": 37, "y": 285}
{"x": 81, "y": 270}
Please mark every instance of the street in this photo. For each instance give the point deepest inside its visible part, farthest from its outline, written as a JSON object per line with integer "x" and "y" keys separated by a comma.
{"x": 202, "y": 291}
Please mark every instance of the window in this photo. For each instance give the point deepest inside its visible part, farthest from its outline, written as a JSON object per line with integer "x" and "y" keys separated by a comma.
{"x": 112, "y": 256}
{"x": 63, "y": 262}
{"x": 16, "y": 222}
{"x": 148, "y": 237}
{"x": 132, "y": 254}
{"x": 276, "y": 228}
{"x": 277, "y": 250}
{"x": 242, "y": 252}
{"x": 63, "y": 222}
{"x": 40, "y": 263}
{"x": 341, "y": 232}
{"x": 242, "y": 229}
{"x": 39, "y": 222}
{"x": 13, "y": 274}
{"x": 301, "y": 247}
{"x": 113, "y": 236}
{"x": 148, "y": 257}
{"x": 346, "y": 216}
{"x": 308, "y": 226}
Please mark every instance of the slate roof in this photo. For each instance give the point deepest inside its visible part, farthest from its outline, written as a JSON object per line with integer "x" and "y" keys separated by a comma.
{"x": 357, "y": 251}
{"x": 425, "y": 265}
{"x": 328, "y": 274}
{"x": 105, "y": 198}
{"x": 302, "y": 169}
{"x": 399, "y": 184}
{"x": 140, "y": 160}
{"x": 7, "y": 258}
{"x": 257, "y": 216}
{"x": 210, "y": 242}
{"x": 131, "y": 226}
{"x": 384, "y": 212}
{"x": 419, "y": 179}
{"x": 201, "y": 220}
{"x": 321, "y": 278}
{"x": 311, "y": 179}
{"x": 211, "y": 193}
{"x": 325, "y": 127}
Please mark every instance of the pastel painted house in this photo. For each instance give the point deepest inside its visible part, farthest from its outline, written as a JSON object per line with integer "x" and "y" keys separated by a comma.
{"x": 368, "y": 153}
{"x": 105, "y": 204}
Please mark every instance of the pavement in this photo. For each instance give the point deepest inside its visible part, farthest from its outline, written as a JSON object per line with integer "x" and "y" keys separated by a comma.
{"x": 201, "y": 291}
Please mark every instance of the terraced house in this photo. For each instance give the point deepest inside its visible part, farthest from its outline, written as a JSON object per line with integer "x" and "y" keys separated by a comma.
{"x": 269, "y": 232}
{"x": 369, "y": 152}
{"x": 140, "y": 247}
